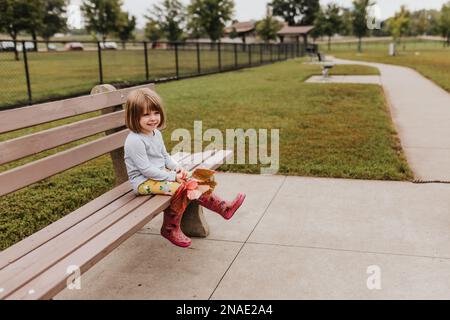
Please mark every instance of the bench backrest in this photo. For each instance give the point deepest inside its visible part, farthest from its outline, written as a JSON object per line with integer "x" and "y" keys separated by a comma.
{"x": 112, "y": 121}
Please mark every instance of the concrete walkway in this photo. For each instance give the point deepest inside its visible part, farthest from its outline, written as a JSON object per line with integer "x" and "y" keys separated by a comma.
{"x": 421, "y": 113}
{"x": 285, "y": 243}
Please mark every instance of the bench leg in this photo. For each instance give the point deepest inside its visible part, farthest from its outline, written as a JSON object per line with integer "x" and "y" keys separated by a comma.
{"x": 194, "y": 223}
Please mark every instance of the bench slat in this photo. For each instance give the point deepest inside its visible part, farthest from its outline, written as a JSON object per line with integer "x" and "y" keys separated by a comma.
{"x": 45, "y": 140}
{"x": 37, "y": 261}
{"x": 59, "y": 240}
{"x": 37, "y": 239}
{"x": 28, "y": 174}
{"x": 17, "y": 274}
{"x": 53, "y": 280}
{"x": 25, "y": 117}
{"x": 20, "y": 249}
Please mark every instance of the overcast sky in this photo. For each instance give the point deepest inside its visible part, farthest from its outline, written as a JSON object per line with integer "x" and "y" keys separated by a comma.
{"x": 255, "y": 9}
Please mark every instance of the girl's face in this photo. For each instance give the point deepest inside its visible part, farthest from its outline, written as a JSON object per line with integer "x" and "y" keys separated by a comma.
{"x": 150, "y": 121}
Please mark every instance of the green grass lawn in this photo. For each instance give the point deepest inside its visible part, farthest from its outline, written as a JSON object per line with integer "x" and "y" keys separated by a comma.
{"x": 326, "y": 130}
{"x": 432, "y": 63}
{"x": 59, "y": 74}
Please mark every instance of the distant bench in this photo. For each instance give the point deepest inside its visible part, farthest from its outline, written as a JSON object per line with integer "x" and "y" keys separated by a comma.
{"x": 326, "y": 64}
{"x": 39, "y": 266}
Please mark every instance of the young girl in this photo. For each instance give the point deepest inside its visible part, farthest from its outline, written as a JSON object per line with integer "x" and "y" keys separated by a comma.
{"x": 151, "y": 170}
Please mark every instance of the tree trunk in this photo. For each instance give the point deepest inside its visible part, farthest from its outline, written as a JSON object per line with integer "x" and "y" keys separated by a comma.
{"x": 329, "y": 43}
{"x": 16, "y": 53}
{"x": 359, "y": 45}
{"x": 34, "y": 36}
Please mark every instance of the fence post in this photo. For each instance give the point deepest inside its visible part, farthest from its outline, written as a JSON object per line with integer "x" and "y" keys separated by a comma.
{"x": 177, "y": 67}
{"x": 27, "y": 72}
{"x": 147, "y": 76}
{"x": 219, "y": 54}
{"x": 261, "y": 60}
{"x": 100, "y": 63}
{"x": 279, "y": 52}
{"x": 271, "y": 52}
{"x": 249, "y": 54}
{"x": 235, "y": 56}
{"x": 198, "y": 58}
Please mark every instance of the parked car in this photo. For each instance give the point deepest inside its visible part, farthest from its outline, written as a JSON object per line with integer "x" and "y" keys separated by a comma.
{"x": 76, "y": 46}
{"x": 51, "y": 47}
{"x": 29, "y": 46}
{"x": 6, "y": 46}
{"x": 108, "y": 45}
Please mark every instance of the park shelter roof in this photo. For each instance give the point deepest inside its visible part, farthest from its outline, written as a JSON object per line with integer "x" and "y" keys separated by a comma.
{"x": 242, "y": 27}
{"x": 293, "y": 31}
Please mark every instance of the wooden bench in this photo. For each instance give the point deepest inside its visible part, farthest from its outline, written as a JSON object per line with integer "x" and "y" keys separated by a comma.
{"x": 41, "y": 266}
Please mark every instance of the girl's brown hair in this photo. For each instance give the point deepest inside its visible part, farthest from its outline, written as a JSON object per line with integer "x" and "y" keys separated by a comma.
{"x": 138, "y": 103}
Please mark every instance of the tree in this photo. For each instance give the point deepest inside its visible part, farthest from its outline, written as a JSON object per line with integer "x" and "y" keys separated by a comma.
{"x": 194, "y": 28}
{"x": 125, "y": 28}
{"x": 171, "y": 17}
{"x": 296, "y": 12}
{"x": 102, "y": 16}
{"x": 211, "y": 16}
{"x": 399, "y": 24}
{"x": 54, "y": 18}
{"x": 34, "y": 15}
{"x": 319, "y": 23}
{"x": 153, "y": 32}
{"x": 444, "y": 22}
{"x": 419, "y": 22}
{"x": 332, "y": 21}
{"x": 433, "y": 17}
{"x": 346, "y": 27}
{"x": 360, "y": 19}
{"x": 268, "y": 27}
{"x": 15, "y": 16}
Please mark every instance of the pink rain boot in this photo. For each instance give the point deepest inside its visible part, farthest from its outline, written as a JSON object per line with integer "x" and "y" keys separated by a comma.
{"x": 171, "y": 229}
{"x": 224, "y": 208}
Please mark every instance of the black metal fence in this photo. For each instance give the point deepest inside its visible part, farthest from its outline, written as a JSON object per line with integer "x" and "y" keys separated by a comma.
{"x": 33, "y": 72}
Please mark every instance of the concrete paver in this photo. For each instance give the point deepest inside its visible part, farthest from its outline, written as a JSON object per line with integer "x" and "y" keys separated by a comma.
{"x": 368, "y": 216}
{"x": 259, "y": 191}
{"x": 149, "y": 267}
{"x": 285, "y": 272}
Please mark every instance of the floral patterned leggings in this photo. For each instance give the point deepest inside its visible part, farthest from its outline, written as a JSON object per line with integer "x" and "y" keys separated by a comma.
{"x": 198, "y": 183}
{"x": 158, "y": 187}
{"x": 167, "y": 188}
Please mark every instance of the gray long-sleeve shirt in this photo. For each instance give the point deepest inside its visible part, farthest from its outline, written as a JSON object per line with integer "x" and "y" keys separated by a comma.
{"x": 146, "y": 158}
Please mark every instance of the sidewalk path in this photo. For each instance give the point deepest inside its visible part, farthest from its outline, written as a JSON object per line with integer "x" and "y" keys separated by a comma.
{"x": 294, "y": 238}
{"x": 421, "y": 113}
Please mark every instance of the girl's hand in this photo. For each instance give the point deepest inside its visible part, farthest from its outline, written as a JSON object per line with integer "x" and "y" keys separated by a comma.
{"x": 180, "y": 178}
{"x": 183, "y": 172}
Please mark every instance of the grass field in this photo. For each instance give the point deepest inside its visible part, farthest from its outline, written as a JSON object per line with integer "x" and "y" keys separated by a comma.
{"x": 431, "y": 61}
{"x": 59, "y": 74}
{"x": 326, "y": 130}
{"x": 370, "y": 44}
